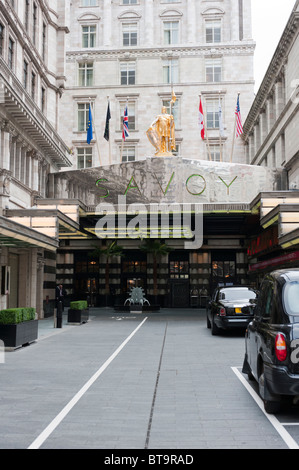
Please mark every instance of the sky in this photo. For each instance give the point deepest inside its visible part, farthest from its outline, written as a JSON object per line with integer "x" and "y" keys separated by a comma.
{"x": 269, "y": 18}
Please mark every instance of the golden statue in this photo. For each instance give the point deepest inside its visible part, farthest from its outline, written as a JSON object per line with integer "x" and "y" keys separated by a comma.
{"x": 161, "y": 133}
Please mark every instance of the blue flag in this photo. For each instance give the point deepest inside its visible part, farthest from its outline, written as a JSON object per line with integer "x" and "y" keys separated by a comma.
{"x": 89, "y": 127}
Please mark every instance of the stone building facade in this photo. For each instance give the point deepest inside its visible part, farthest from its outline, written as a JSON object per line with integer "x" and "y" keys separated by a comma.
{"x": 57, "y": 60}
{"x": 271, "y": 140}
{"x": 32, "y": 78}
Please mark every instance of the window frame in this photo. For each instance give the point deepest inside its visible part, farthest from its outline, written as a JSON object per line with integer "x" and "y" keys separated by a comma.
{"x": 89, "y": 34}
{"x": 85, "y": 67}
{"x": 133, "y": 27}
{"x": 211, "y": 72}
{"x": 125, "y": 68}
{"x": 172, "y": 40}
{"x": 87, "y": 153}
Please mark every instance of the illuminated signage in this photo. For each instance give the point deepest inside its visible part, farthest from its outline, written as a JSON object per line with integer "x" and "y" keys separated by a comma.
{"x": 263, "y": 242}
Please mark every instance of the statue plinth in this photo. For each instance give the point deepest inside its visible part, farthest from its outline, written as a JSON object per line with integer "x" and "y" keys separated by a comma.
{"x": 163, "y": 154}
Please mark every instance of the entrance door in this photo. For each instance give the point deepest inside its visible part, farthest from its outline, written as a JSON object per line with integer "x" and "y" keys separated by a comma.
{"x": 179, "y": 291}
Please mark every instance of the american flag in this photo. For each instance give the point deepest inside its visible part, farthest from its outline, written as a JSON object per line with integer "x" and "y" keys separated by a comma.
{"x": 239, "y": 127}
{"x": 125, "y": 124}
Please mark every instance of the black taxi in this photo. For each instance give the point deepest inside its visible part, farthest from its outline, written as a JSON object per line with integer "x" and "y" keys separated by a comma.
{"x": 272, "y": 339}
{"x": 230, "y": 307}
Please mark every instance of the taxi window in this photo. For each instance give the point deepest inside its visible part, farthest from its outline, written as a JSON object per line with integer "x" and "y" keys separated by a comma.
{"x": 291, "y": 298}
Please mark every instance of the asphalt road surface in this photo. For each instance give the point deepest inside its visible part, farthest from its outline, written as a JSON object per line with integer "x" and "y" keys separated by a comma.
{"x": 125, "y": 381}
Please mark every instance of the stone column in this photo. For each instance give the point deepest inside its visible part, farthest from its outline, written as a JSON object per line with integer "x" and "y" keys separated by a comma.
{"x": 107, "y": 20}
{"x": 247, "y": 20}
{"x": 263, "y": 125}
{"x": 270, "y": 112}
{"x": 5, "y": 147}
{"x": 34, "y": 169}
{"x": 149, "y": 23}
{"x": 191, "y": 21}
{"x": 279, "y": 97}
{"x": 234, "y": 21}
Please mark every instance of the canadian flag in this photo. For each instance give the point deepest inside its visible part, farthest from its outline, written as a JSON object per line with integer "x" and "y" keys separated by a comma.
{"x": 200, "y": 121}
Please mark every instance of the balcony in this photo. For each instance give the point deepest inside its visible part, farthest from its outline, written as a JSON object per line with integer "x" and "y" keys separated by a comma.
{"x": 22, "y": 108}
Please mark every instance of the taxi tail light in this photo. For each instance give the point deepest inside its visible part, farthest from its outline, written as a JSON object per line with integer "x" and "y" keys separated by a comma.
{"x": 280, "y": 347}
{"x": 222, "y": 312}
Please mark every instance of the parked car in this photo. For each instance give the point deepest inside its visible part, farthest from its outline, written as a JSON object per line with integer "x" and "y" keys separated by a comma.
{"x": 230, "y": 307}
{"x": 272, "y": 339}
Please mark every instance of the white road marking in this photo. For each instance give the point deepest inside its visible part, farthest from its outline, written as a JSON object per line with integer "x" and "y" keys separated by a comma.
{"x": 290, "y": 442}
{"x": 63, "y": 413}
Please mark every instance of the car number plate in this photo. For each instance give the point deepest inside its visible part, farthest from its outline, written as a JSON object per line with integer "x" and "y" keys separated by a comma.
{"x": 238, "y": 310}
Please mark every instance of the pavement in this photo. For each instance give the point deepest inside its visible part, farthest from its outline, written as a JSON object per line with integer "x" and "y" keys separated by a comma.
{"x": 131, "y": 381}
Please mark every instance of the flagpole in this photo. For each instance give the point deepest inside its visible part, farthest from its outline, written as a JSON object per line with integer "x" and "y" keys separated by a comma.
{"x": 234, "y": 136}
{"x": 208, "y": 142}
{"x": 109, "y": 135}
{"x": 122, "y": 138}
{"x": 95, "y": 131}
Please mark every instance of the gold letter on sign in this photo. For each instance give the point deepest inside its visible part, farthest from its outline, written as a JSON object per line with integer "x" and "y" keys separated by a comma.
{"x": 228, "y": 185}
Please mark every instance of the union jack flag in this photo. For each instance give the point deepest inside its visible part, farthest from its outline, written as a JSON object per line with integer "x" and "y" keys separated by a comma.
{"x": 239, "y": 127}
{"x": 126, "y": 124}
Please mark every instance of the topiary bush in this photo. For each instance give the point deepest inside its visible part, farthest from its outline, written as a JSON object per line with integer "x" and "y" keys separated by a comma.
{"x": 11, "y": 316}
{"x": 79, "y": 305}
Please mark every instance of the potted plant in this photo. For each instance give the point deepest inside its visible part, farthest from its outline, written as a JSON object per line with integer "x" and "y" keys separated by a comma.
{"x": 18, "y": 327}
{"x": 109, "y": 251}
{"x": 156, "y": 248}
{"x": 78, "y": 312}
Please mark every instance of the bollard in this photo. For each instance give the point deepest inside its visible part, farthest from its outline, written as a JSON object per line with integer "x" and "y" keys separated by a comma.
{"x": 59, "y": 315}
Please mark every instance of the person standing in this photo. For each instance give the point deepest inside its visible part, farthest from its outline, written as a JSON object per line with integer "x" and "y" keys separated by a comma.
{"x": 60, "y": 296}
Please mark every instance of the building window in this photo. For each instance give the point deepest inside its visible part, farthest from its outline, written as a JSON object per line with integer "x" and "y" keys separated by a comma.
{"x": 129, "y": 34}
{"x": 213, "y": 31}
{"x": 215, "y": 153}
{"x": 26, "y": 19}
{"x": 170, "y": 71}
{"x": 44, "y": 41}
{"x": 84, "y": 157}
{"x": 128, "y": 154}
{"x": 171, "y": 32}
{"x": 11, "y": 50}
{"x": 179, "y": 269}
{"x": 212, "y": 114}
{"x": 88, "y": 3}
{"x": 43, "y": 99}
{"x": 129, "y": 2}
{"x": 25, "y": 74}
{"x": 213, "y": 70}
{"x": 88, "y": 36}
{"x": 224, "y": 271}
{"x": 85, "y": 74}
{"x": 131, "y": 114}
{"x": 83, "y": 115}
{"x": 174, "y": 111}
{"x": 127, "y": 73}
{"x": 34, "y": 25}
{"x": 33, "y": 85}
{"x": 1, "y": 38}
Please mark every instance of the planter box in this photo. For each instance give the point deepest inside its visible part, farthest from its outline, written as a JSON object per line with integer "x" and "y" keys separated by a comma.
{"x": 77, "y": 316}
{"x": 19, "y": 334}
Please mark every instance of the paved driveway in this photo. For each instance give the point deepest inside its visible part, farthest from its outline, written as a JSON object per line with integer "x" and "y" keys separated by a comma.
{"x": 160, "y": 381}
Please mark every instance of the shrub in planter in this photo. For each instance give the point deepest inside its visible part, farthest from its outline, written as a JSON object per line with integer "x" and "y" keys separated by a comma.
{"x": 78, "y": 312}
{"x": 18, "y": 326}
{"x": 79, "y": 305}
